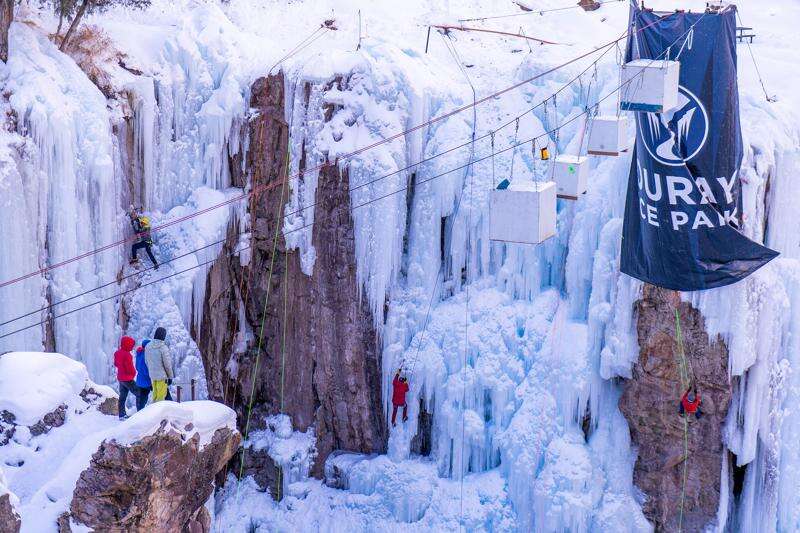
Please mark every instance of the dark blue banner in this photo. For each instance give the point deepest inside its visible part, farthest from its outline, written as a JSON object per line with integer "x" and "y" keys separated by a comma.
{"x": 683, "y": 207}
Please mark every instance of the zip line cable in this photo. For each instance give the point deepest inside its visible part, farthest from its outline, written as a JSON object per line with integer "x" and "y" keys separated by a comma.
{"x": 108, "y": 284}
{"x": 368, "y": 202}
{"x": 349, "y": 155}
{"x": 299, "y": 46}
{"x": 511, "y": 147}
{"x": 468, "y": 172}
{"x": 535, "y": 12}
{"x": 514, "y": 120}
{"x": 447, "y": 27}
{"x": 546, "y": 134}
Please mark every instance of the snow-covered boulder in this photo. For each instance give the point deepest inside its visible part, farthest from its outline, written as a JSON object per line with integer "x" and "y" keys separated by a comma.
{"x": 155, "y": 471}
{"x": 38, "y": 391}
{"x": 69, "y": 466}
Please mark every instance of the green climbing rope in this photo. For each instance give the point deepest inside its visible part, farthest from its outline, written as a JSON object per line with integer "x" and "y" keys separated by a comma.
{"x": 278, "y": 225}
{"x": 283, "y": 337}
{"x": 685, "y": 381}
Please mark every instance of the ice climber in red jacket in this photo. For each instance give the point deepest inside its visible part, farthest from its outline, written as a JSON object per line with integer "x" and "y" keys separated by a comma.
{"x": 399, "y": 390}
{"x": 690, "y": 403}
{"x": 126, "y": 373}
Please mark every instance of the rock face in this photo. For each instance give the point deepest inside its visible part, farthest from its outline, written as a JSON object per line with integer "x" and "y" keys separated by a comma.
{"x": 329, "y": 376}
{"x": 650, "y": 404}
{"x": 159, "y": 483}
{"x": 9, "y": 519}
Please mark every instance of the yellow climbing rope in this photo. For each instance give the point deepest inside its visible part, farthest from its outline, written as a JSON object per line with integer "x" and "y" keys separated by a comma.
{"x": 684, "y": 370}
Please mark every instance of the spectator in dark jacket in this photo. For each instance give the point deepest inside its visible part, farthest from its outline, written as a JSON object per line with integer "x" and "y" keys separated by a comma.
{"x": 142, "y": 377}
{"x": 126, "y": 373}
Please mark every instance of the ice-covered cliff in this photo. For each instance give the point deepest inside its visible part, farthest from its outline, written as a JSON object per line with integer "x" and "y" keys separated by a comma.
{"x": 515, "y": 353}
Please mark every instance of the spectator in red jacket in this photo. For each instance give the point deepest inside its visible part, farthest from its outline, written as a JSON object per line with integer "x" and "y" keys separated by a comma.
{"x": 126, "y": 373}
{"x": 690, "y": 403}
{"x": 399, "y": 390}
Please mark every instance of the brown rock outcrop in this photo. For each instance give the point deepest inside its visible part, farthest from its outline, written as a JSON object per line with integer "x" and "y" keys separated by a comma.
{"x": 9, "y": 519}
{"x": 159, "y": 483}
{"x": 650, "y": 403}
{"x": 331, "y": 378}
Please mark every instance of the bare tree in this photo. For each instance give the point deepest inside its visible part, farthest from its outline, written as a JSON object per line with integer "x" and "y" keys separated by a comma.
{"x": 6, "y": 17}
{"x": 76, "y": 9}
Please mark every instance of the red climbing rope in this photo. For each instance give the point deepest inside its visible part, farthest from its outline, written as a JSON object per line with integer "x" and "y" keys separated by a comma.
{"x": 276, "y": 184}
{"x": 497, "y": 32}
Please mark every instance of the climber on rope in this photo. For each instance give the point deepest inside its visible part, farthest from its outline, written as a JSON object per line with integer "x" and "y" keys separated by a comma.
{"x": 141, "y": 226}
{"x": 399, "y": 390}
{"x": 690, "y": 403}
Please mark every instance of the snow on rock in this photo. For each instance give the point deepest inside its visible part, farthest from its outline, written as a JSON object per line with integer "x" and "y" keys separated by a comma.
{"x": 292, "y": 451}
{"x": 338, "y": 466}
{"x": 52, "y": 425}
{"x": 156, "y": 470}
{"x": 33, "y": 384}
{"x": 189, "y": 422}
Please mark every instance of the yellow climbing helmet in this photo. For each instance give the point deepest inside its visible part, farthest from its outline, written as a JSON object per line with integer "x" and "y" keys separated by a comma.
{"x": 145, "y": 222}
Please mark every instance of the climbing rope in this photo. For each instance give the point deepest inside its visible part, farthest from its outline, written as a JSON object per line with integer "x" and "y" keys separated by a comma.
{"x": 755, "y": 64}
{"x": 278, "y": 226}
{"x": 684, "y": 369}
{"x": 301, "y": 45}
{"x": 467, "y": 173}
{"x": 283, "y": 334}
{"x": 513, "y": 152}
{"x": 271, "y": 186}
{"x": 427, "y": 319}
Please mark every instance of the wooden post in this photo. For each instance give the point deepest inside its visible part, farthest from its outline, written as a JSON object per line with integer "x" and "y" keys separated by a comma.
{"x": 179, "y": 394}
{"x": 193, "y": 398}
{"x": 428, "y": 39}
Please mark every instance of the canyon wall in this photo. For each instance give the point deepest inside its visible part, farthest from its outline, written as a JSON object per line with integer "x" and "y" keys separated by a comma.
{"x": 302, "y": 345}
{"x": 650, "y": 403}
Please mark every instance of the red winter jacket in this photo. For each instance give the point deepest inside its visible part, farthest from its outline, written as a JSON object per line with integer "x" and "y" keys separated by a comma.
{"x": 399, "y": 390}
{"x": 123, "y": 360}
{"x": 690, "y": 407}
